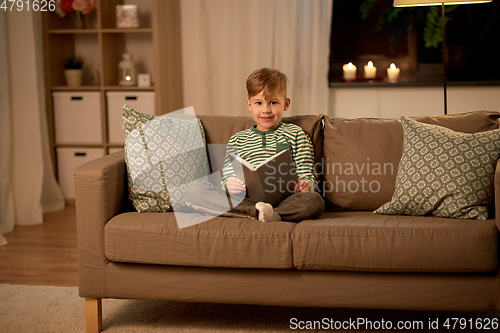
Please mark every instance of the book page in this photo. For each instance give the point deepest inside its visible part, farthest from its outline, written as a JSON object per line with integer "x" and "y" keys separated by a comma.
{"x": 250, "y": 166}
{"x": 270, "y": 158}
{"x": 243, "y": 161}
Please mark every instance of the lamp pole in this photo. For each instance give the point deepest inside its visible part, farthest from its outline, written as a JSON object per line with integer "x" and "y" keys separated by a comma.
{"x": 411, "y": 3}
{"x": 443, "y": 22}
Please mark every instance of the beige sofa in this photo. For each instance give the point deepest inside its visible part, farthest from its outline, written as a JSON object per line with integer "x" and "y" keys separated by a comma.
{"x": 348, "y": 258}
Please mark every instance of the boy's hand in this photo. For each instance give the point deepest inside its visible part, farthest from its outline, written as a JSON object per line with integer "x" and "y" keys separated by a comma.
{"x": 235, "y": 185}
{"x": 302, "y": 186}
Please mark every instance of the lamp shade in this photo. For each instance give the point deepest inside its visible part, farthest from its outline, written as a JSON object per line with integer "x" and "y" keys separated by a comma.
{"x": 412, "y": 3}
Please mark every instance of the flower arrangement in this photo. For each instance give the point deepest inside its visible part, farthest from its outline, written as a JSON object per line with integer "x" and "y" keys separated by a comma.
{"x": 64, "y": 7}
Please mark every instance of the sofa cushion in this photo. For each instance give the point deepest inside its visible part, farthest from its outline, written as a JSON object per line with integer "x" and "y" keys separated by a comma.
{"x": 218, "y": 130}
{"x": 361, "y": 156}
{"x": 163, "y": 155}
{"x": 444, "y": 173}
{"x": 154, "y": 238}
{"x": 362, "y": 241}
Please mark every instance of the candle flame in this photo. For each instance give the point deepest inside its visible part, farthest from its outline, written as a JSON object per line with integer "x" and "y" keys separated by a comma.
{"x": 128, "y": 78}
{"x": 349, "y": 65}
{"x": 393, "y": 67}
{"x": 370, "y": 64}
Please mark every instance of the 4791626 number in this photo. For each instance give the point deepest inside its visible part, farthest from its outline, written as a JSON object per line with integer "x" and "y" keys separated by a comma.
{"x": 34, "y": 5}
{"x": 471, "y": 324}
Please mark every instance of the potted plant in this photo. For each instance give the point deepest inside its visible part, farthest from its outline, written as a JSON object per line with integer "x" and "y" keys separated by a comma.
{"x": 399, "y": 19}
{"x": 405, "y": 20}
{"x": 73, "y": 70}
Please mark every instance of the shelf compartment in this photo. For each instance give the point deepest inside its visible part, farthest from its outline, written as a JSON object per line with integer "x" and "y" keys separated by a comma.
{"x": 138, "y": 44}
{"x": 108, "y": 12}
{"x": 55, "y": 22}
{"x": 61, "y": 46}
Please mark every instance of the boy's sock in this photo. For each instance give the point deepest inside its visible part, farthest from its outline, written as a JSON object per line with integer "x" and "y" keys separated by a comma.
{"x": 266, "y": 212}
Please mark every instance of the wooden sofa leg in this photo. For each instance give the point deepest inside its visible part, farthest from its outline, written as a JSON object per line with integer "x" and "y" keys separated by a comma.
{"x": 93, "y": 315}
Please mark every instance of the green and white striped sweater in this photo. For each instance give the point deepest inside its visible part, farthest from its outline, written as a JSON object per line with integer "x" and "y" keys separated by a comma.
{"x": 256, "y": 146}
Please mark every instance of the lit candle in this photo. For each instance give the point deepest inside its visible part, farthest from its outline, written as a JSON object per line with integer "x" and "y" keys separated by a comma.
{"x": 349, "y": 71}
{"x": 393, "y": 73}
{"x": 370, "y": 71}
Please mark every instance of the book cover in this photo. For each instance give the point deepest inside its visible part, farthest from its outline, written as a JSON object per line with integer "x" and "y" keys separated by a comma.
{"x": 271, "y": 181}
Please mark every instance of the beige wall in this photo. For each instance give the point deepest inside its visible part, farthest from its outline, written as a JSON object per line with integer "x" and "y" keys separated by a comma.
{"x": 352, "y": 102}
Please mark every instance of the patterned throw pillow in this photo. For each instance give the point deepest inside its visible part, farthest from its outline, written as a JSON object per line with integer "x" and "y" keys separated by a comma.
{"x": 444, "y": 173}
{"x": 163, "y": 155}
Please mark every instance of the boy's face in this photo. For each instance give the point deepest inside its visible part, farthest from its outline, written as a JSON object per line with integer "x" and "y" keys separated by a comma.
{"x": 267, "y": 113}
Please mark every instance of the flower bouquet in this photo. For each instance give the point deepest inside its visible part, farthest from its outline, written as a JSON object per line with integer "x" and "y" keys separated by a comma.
{"x": 80, "y": 7}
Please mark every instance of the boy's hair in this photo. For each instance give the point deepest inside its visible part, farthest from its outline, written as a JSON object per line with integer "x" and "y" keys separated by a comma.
{"x": 267, "y": 80}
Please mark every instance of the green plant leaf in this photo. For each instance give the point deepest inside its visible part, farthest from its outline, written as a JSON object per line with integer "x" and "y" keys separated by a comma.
{"x": 365, "y": 8}
{"x": 73, "y": 62}
{"x": 393, "y": 14}
{"x": 431, "y": 18}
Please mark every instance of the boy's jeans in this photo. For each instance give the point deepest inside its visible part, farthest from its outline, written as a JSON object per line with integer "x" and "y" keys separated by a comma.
{"x": 208, "y": 198}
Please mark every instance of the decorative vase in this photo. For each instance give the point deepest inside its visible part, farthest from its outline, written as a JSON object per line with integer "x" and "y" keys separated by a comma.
{"x": 79, "y": 23}
{"x": 73, "y": 77}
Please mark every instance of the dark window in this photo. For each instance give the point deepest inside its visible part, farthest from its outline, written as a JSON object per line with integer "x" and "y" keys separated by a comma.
{"x": 356, "y": 40}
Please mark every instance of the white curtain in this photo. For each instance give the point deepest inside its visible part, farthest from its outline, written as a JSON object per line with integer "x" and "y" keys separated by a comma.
{"x": 27, "y": 185}
{"x": 223, "y": 41}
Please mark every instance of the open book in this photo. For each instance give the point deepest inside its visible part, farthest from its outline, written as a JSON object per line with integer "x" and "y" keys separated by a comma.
{"x": 271, "y": 181}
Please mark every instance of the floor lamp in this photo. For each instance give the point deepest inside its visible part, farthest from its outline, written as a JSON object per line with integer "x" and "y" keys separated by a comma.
{"x": 413, "y": 3}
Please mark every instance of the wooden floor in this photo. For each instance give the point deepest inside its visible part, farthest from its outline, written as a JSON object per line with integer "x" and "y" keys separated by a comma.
{"x": 44, "y": 254}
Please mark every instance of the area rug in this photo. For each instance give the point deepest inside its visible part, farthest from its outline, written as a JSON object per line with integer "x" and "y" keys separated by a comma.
{"x": 59, "y": 309}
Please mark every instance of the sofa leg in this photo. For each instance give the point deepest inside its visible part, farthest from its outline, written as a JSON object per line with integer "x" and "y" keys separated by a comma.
{"x": 93, "y": 315}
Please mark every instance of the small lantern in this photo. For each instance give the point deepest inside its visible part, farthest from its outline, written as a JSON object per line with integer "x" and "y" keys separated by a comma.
{"x": 127, "y": 72}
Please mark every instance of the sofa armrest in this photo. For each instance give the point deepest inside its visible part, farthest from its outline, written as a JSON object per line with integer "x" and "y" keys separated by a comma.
{"x": 99, "y": 193}
{"x": 496, "y": 195}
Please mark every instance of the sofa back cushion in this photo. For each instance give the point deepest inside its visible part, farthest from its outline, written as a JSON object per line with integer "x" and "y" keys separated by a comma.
{"x": 361, "y": 156}
{"x": 219, "y": 129}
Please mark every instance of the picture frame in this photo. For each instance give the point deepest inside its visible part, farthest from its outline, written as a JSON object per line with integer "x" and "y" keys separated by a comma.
{"x": 127, "y": 16}
{"x": 144, "y": 80}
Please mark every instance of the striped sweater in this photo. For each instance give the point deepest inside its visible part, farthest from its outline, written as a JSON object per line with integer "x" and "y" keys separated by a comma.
{"x": 256, "y": 146}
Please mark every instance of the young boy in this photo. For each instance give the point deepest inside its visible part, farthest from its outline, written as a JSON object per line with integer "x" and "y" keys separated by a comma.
{"x": 267, "y": 100}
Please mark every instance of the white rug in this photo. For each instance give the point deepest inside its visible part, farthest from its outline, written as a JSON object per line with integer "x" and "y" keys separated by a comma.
{"x": 59, "y": 309}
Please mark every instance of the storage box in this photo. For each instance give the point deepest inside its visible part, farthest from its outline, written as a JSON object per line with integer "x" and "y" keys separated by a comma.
{"x": 114, "y": 150}
{"x": 142, "y": 101}
{"x": 77, "y": 117}
{"x": 67, "y": 161}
